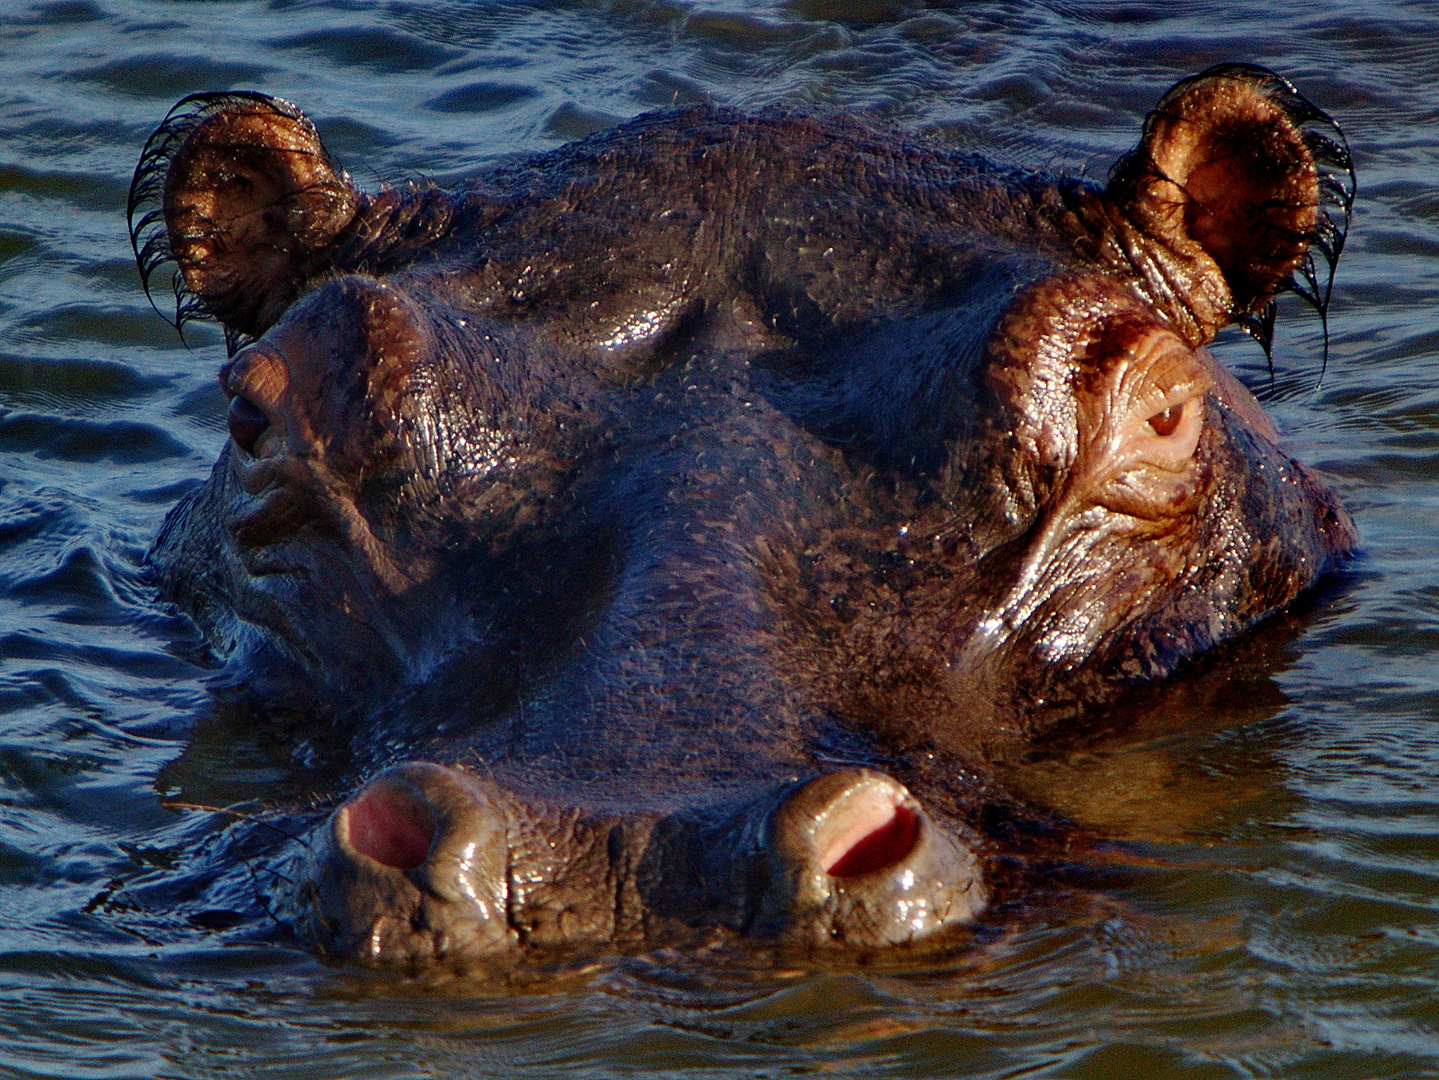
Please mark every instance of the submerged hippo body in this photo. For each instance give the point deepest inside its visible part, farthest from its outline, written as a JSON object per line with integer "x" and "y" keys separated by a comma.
{"x": 675, "y": 522}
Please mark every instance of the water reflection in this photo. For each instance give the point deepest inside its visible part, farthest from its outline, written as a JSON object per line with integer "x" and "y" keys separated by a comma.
{"x": 1188, "y": 760}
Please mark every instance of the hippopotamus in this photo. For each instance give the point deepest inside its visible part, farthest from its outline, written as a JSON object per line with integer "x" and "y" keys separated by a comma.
{"x": 674, "y": 527}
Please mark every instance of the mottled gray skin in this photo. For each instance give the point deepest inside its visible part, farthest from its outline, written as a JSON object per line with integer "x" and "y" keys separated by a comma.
{"x": 695, "y": 496}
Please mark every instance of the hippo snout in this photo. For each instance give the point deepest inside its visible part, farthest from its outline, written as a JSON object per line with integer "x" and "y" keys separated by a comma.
{"x": 431, "y": 863}
{"x": 411, "y": 869}
{"x": 858, "y": 860}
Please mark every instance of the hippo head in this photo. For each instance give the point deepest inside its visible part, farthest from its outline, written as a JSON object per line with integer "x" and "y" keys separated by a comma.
{"x": 674, "y": 523}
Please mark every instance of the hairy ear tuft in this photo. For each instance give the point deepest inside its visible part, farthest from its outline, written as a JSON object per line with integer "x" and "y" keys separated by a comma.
{"x": 1235, "y": 163}
{"x": 236, "y": 189}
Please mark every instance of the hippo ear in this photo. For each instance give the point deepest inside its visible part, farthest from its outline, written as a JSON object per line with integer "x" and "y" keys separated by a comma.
{"x": 1236, "y": 165}
{"x": 236, "y": 190}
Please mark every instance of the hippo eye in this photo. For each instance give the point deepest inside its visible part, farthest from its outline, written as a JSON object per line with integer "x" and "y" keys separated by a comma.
{"x": 247, "y": 422}
{"x": 1166, "y": 423}
{"x": 1162, "y": 385}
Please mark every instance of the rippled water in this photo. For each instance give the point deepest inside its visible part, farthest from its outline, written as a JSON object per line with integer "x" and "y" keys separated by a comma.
{"x": 1278, "y": 812}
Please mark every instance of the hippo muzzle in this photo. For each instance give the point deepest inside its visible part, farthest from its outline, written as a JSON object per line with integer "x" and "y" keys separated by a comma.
{"x": 431, "y": 863}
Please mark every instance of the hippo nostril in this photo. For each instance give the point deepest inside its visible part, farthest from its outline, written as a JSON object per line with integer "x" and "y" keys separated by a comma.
{"x": 391, "y": 826}
{"x": 875, "y": 835}
{"x": 246, "y": 422}
{"x": 854, "y": 858}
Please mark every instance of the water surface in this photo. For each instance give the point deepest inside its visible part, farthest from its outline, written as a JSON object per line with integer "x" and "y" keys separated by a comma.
{"x": 1279, "y": 811}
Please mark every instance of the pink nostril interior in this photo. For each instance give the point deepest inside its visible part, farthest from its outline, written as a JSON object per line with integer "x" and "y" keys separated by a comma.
{"x": 877, "y": 835}
{"x": 391, "y": 826}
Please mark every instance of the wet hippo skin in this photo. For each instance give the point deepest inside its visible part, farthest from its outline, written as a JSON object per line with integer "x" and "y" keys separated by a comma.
{"x": 674, "y": 524}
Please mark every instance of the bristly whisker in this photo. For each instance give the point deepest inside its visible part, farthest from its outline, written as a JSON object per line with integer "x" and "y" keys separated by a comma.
{"x": 239, "y": 815}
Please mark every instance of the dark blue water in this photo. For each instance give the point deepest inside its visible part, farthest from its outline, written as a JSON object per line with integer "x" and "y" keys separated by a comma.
{"x": 1280, "y": 812}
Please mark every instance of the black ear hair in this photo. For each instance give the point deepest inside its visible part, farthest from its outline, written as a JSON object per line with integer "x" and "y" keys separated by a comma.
{"x": 237, "y": 190}
{"x": 1235, "y": 163}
